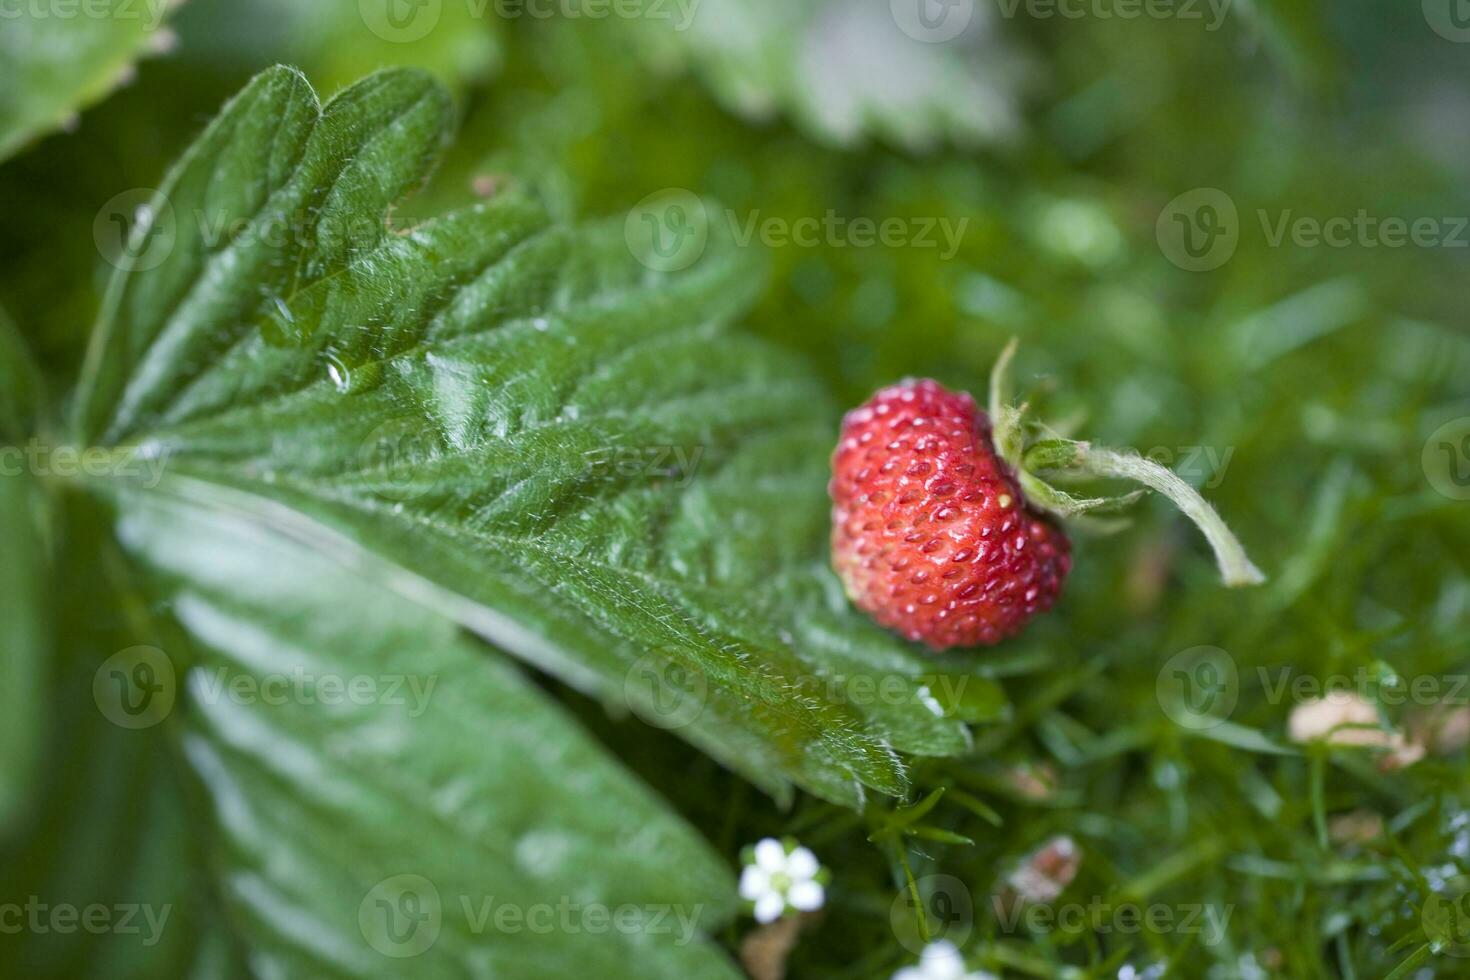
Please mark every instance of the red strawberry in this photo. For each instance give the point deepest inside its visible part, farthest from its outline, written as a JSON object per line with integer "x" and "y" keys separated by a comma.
{"x": 930, "y": 532}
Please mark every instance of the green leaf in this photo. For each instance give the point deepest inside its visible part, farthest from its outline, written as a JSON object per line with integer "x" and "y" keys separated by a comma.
{"x": 23, "y": 578}
{"x": 20, "y": 386}
{"x": 311, "y": 188}
{"x": 359, "y": 750}
{"x": 1243, "y": 737}
{"x": 24, "y": 575}
{"x": 109, "y": 823}
{"x": 848, "y": 70}
{"x": 511, "y": 422}
{"x": 969, "y": 697}
{"x": 53, "y": 64}
{"x": 905, "y": 817}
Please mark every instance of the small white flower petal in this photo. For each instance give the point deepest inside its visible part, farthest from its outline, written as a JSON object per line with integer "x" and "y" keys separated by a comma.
{"x": 801, "y": 864}
{"x": 910, "y": 973}
{"x": 754, "y": 883}
{"x": 939, "y": 949}
{"x": 768, "y": 908}
{"x": 770, "y": 856}
{"x": 941, "y": 960}
{"x": 806, "y": 896}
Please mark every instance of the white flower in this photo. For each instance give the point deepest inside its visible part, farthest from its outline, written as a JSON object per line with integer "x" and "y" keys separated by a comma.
{"x": 1346, "y": 718}
{"x": 1130, "y": 972}
{"x": 776, "y": 880}
{"x": 1342, "y": 718}
{"x": 1047, "y": 871}
{"x": 940, "y": 961}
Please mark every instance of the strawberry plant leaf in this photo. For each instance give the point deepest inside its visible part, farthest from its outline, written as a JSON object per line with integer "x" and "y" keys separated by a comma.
{"x": 914, "y": 83}
{"x": 385, "y": 787}
{"x": 510, "y": 421}
{"x": 20, "y": 385}
{"x": 53, "y": 65}
{"x": 22, "y": 580}
{"x": 109, "y": 822}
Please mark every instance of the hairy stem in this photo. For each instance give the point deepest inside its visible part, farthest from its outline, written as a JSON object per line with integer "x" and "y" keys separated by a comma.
{"x": 1005, "y": 421}
{"x": 1235, "y": 567}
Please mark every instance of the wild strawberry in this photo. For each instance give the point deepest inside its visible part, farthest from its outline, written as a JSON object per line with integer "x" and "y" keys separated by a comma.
{"x": 942, "y": 529}
{"x": 930, "y": 532}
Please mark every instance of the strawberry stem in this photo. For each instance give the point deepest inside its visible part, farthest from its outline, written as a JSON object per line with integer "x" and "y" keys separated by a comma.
{"x": 1052, "y": 454}
{"x": 1235, "y": 567}
{"x": 1005, "y": 419}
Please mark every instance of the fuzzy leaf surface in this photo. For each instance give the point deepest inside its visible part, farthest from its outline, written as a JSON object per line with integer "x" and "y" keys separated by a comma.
{"x": 511, "y": 422}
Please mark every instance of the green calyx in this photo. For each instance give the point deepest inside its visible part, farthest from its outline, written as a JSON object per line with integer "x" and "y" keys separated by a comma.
{"x": 1031, "y": 451}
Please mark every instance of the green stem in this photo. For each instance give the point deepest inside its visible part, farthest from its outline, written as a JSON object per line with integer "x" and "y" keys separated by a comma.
{"x": 1411, "y": 964}
{"x": 1235, "y": 567}
{"x": 1319, "y": 797}
{"x": 920, "y": 915}
{"x": 1005, "y": 420}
